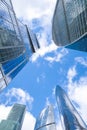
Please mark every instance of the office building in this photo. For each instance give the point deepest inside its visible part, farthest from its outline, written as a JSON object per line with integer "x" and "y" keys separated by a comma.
{"x": 15, "y": 118}
{"x": 34, "y": 39}
{"x": 16, "y": 44}
{"x": 46, "y": 121}
{"x": 70, "y": 118}
{"x": 70, "y": 24}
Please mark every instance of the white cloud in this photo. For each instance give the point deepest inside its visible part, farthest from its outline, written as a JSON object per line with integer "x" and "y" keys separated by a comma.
{"x": 58, "y": 56}
{"x": 71, "y": 74}
{"x": 81, "y": 60}
{"x": 33, "y": 9}
{"x": 43, "y": 51}
{"x": 29, "y": 119}
{"x": 4, "y": 111}
{"x": 18, "y": 95}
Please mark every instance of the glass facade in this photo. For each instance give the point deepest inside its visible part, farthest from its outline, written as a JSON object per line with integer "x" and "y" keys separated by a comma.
{"x": 17, "y": 113}
{"x": 46, "y": 121}
{"x": 69, "y": 21}
{"x": 15, "y": 44}
{"x": 9, "y": 125}
{"x": 70, "y": 118}
{"x": 34, "y": 39}
{"x": 15, "y": 118}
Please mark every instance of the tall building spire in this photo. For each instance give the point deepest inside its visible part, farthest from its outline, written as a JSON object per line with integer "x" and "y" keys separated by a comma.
{"x": 45, "y": 121}
{"x": 70, "y": 118}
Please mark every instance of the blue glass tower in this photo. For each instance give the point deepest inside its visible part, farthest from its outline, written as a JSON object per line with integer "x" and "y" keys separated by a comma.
{"x": 69, "y": 26}
{"x": 46, "y": 121}
{"x": 70, "y": 118}
{"x": 16, "y": 44}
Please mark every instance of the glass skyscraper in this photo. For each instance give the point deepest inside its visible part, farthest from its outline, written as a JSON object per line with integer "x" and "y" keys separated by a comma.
{"x": 70, "y": 24}
{"x": 35, "y": 41}
{"x": 15, "y": 118}
{"x": 16, "y": 44}
{"x": 70, "y": 118}
{"x": 46, "y": 121}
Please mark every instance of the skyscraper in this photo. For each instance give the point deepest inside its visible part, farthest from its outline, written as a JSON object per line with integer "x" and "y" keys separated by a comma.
{"x": 16, "y": 44}
{"x": 34, "y": 39}
{"x": 70, "y": 118}
{"x": 15, "y": 118}
{"x": 70, "y": 24}
{"x": 46, "y": 121}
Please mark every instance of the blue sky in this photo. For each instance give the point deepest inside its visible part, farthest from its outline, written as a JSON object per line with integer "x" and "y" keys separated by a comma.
{"x": 49, "y": 66}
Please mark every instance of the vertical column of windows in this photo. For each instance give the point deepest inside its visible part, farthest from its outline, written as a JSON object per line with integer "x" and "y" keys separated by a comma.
{"x": 81, "y": 3}
{"x": 75, "y": 11}
{"x": 85, "y": 15}
{"x": 79, "y": 9}
{"x": 61, "y": 23}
